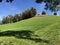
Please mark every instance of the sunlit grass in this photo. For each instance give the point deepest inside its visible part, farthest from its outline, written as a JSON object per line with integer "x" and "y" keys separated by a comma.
{"x": 47, "y": 28}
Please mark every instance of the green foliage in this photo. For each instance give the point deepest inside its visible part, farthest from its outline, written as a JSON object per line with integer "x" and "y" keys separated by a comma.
{"x": 50, "y": 4}
{"x": 7, "y": 19}
{"x": 7, "y": 0}
{"x": 29, "y": 13}
{"x": 43, "y": 13}
{"x": 18, "y": 17}
{"x": 33, "y": 11}
{"x": 0, "y": 0}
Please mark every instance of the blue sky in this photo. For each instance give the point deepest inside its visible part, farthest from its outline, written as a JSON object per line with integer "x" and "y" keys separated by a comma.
{"x": 18, "y": 6}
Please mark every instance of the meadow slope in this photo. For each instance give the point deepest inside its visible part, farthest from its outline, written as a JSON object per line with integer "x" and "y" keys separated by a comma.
{"x": 44, "y": 30}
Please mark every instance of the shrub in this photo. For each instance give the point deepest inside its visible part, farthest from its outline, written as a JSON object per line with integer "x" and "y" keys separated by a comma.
{"x": 43, "y": 13}
{"x": 55, "y": 13}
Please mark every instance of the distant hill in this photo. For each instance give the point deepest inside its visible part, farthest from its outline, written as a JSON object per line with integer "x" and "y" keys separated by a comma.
{"x": 39, "y": 30}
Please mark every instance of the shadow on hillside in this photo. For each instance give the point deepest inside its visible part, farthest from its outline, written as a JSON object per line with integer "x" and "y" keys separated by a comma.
{"x": 23, "y": 35}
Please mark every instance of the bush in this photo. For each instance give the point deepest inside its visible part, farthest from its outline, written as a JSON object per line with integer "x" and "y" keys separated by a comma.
{"x": 43, "y": 13}
{"x": 55, "y": 13}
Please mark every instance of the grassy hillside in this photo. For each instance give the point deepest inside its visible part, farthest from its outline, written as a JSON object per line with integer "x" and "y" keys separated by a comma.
{"x": 34, "y": 31}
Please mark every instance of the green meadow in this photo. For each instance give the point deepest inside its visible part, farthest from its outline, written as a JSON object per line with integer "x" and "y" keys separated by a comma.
{"x": 39, "y": 30}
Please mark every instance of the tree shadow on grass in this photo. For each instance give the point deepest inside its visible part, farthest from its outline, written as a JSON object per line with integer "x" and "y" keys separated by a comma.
{"x": 24, "y": 34}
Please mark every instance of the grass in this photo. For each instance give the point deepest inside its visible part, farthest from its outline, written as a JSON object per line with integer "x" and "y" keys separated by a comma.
{"x": 46, "y": 31}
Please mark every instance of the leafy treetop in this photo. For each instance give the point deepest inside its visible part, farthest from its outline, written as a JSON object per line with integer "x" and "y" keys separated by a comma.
{"x": 7, "y": 0}
{"x": 50, "y": 4}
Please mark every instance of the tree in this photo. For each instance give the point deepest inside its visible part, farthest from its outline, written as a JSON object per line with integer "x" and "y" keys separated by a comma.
{"x": 33, "y": 11}
{"x": 20, "y": 17}
{"x": 10, "y": 18}
{"x": 7, "y": 19}
{"x": 16, "y": 18}
{"x": 29, "y": 13}
{"x": 0, "y": 0}
{"x": 50, "y": 4}
{"x": 7, "y": 0}
{"x": 56, "y": 9}
{"x": 3, "y": 20}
